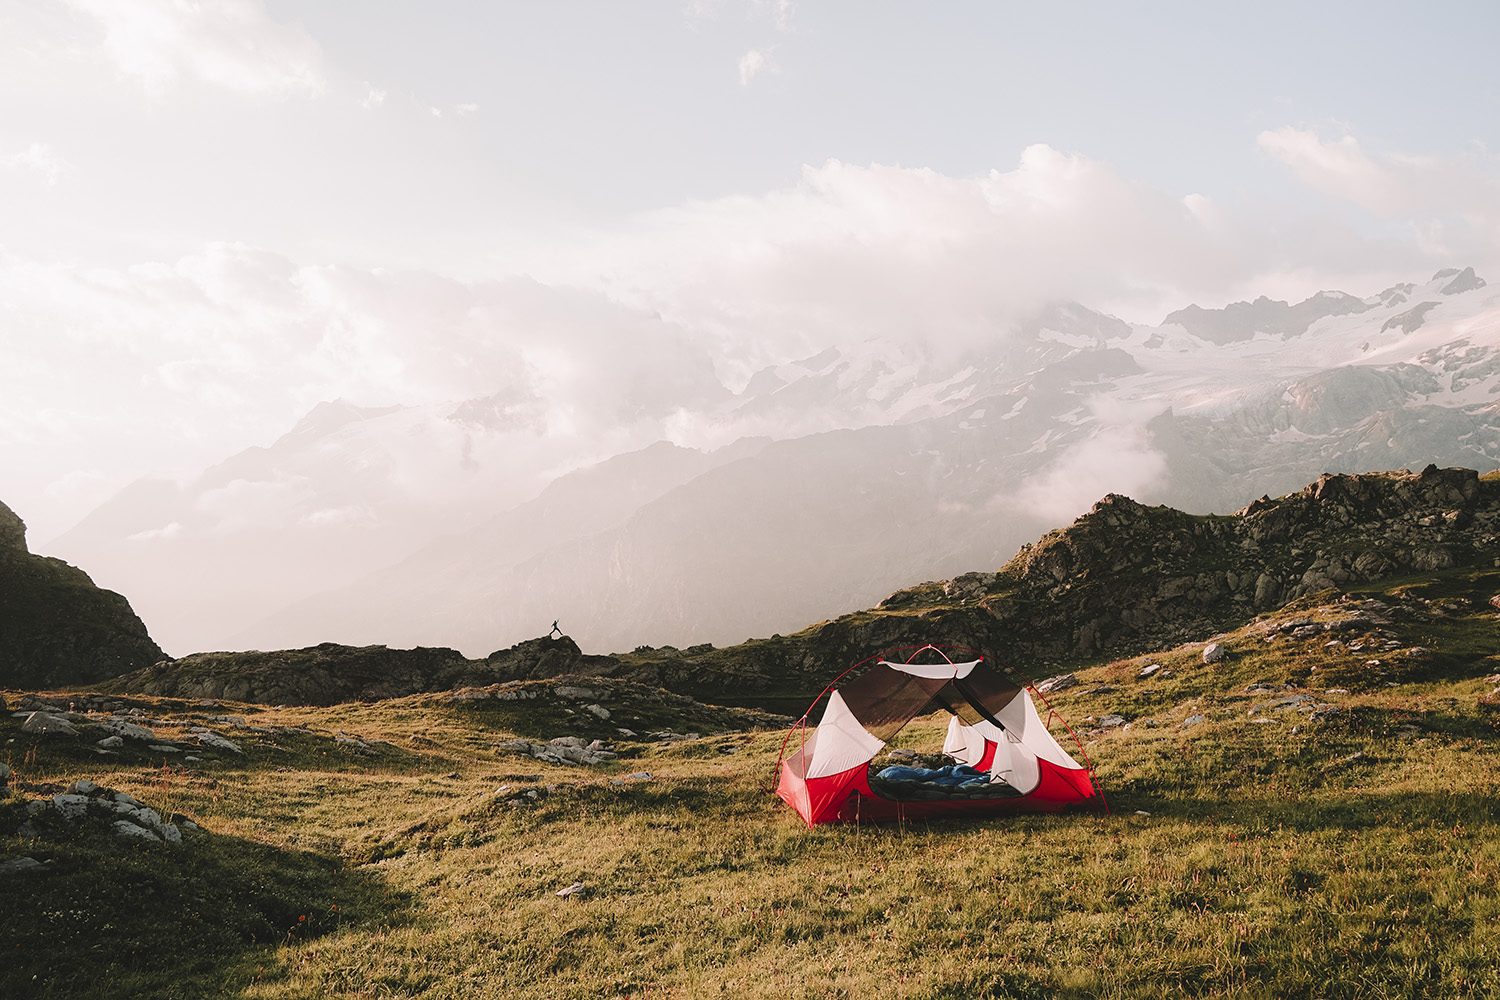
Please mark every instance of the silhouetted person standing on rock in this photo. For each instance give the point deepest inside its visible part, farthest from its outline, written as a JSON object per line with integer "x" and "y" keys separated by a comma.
{"x": 555, "y": 629}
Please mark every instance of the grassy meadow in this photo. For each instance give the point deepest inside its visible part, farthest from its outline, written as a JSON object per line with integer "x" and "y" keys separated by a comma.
{"x": 1254, "y": 854}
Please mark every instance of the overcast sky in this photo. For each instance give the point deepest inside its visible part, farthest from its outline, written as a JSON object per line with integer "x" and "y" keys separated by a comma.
{"x": 213, "y": 215}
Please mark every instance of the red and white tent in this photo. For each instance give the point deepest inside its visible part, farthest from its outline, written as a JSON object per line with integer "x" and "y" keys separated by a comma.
{"x": 993, "y": 727}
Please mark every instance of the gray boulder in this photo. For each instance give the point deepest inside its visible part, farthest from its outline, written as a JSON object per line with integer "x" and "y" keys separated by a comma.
{"x": 129, "y": 730}
{"x": 43, "y": 724}
{"x": 217, "y": 742}
{"x": 1060, "y": 682}
{"x": 71, "y": 806}
{"x": 130, "y": 831}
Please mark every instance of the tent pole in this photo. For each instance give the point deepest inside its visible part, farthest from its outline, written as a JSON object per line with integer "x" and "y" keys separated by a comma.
{"x": 1093, "y": 771}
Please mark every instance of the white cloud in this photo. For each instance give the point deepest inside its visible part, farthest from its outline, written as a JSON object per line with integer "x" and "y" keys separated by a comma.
{"x": 854, "y": 252}
{"x": 170, "y": 530}
{"x": 374, "y": 98}
{"x": 1450, "y": 204}
{"x": 113, "y": 372}
{"x": 1117, "y": 458}
{"x": 466, "y": 109}
{"x": 233, "y": 44}
{"x": 781, "y": 14}
{"x": 753, "y": 64}
{"x": 39, "y": 159}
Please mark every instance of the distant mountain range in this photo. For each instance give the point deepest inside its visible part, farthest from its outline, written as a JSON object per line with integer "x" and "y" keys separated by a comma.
{"x": 848, "y": 474}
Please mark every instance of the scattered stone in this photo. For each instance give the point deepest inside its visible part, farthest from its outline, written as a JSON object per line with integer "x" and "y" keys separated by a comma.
{"x": 639, "y": 776}
{"x": 575, "y": 891}
{"x": 20, "y": 866}
{"x": 111, "y": 743}
{"x": 629, "y": 734}
{"x": 1061, "y": 682}
{"x": 131, "y": 831}
{"x": 1190, "y": 721}
{"x": 71, "y": 806}
{"x": 5, "y": 773}
{"x": 1111, "y": 722}
{"x": 598, "y": 711}
{"x": 129, "y": 730}
{"x": 83, "y": 786}
{"x": 164, "y": 748}
{"x": 1214, "y": 653}
{"x": 1149, "y": 670}
{"x": 46, "y": 724}
{"x": 575, "y": 693}
{"x": 1142, "y": 812}
{"x": 216, "y": 742}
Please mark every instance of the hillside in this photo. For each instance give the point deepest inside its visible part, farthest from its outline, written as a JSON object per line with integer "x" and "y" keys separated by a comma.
{"x": 1312, "y": 815}
{"x": 56, "y": 627}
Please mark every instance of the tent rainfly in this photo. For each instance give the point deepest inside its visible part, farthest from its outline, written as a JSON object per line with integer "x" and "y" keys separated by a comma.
{"x": 1005, "y": 759}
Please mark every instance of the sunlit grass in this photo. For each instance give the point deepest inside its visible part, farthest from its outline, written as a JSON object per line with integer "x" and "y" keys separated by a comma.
{"x": 1350, "y": 857}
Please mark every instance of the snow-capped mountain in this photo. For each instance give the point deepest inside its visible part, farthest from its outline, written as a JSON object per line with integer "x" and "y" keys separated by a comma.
{"x": 820, "y": 486}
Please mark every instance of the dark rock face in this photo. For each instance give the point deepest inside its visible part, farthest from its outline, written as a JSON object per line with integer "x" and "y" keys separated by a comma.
{"x": 544, "y": 657}
{"x": 1124, "y": 576}
{"x": 1463, "y": 281}
{"x": 12, "y": 529}
{"x": 1243, "y": 320}
{"x": 56, "y": 627}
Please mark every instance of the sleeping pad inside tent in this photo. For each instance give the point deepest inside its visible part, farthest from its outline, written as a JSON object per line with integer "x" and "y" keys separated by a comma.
{"x": 998, "y": 755}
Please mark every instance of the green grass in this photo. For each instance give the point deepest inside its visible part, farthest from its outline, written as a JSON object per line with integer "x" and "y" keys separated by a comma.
{"x": 1353, "y": 857}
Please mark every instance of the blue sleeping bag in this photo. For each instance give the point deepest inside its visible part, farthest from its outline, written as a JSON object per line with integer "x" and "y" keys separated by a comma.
{"x": 953, "y": 776}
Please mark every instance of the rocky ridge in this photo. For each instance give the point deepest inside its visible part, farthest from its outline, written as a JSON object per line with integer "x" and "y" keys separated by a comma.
{"x": 330, "y": 673}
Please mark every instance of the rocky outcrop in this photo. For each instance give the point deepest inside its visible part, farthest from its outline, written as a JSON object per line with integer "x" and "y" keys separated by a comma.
{"x": 1124, "y": 575}
{"x": 326, "y": 674}
{"x": 331, "y": 673}
{"x": 56, "y": 627}
{"x": 544, "y": 657}
{"x": 86, "y": 804}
